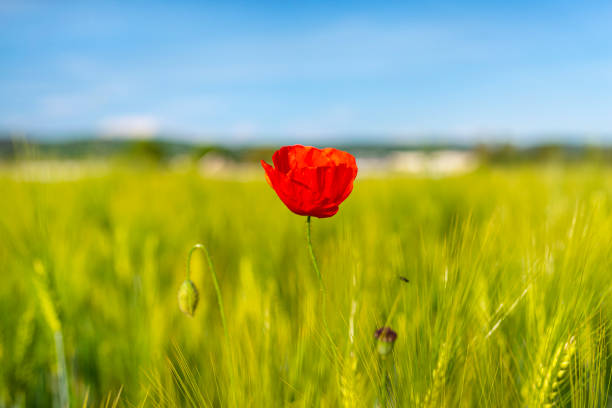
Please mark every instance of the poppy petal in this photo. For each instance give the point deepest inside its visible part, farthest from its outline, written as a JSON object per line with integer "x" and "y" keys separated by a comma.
{"x": 311, "y": 181}
{"x": 295, "y": 196}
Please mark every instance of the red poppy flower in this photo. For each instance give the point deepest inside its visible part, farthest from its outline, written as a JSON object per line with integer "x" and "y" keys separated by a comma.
{"x": 311, "y": 181}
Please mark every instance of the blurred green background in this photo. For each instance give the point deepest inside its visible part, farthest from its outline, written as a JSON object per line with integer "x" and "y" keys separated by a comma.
{"x": 509, "y": 267}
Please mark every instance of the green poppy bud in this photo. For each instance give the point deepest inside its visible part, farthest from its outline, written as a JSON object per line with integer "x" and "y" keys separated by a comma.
{"x": 386, "y": 338}
{"x": 188, "y": 297}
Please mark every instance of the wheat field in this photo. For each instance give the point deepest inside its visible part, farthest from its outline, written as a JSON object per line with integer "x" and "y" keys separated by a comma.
{"x": 507, "y": 304}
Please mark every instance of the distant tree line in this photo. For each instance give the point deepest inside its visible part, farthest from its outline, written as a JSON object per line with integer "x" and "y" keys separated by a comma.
{"x": 159, "y": 151}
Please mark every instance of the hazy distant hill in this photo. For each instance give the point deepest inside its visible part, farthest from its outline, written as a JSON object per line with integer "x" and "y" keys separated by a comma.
{"x": 164, "y": 149}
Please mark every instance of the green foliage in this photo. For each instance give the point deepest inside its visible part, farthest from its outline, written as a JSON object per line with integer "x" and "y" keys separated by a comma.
{"x": 508, "y": 302}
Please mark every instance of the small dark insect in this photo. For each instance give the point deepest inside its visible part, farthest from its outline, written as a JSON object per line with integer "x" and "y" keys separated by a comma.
{"x": 403, "y": 279}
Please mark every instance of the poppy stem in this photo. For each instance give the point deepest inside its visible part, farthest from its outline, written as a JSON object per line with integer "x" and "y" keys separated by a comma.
{"x": 321, "y": 286}
{"x": 312, "y": 256}
{"x": 386, "y": 389}
{"x": 215, "y": 283}
{"x": 219, "y": 301}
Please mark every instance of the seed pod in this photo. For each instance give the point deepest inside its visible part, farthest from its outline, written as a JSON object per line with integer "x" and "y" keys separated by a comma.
{"x": 386, "y": 338}
{"x": 188, "y": 297}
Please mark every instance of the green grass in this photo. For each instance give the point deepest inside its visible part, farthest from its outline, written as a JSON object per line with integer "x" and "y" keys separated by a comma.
{"x": 508, "y": 302}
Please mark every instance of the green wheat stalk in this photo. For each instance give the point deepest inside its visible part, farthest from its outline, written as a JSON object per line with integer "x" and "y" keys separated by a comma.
{"x": 49, "y": 310}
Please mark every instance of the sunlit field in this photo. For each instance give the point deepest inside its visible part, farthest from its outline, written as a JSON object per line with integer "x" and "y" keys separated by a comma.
{"x": 507, "y": 304}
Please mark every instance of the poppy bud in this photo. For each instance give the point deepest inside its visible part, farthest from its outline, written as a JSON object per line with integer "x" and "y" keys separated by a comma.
{"x": 386, "y": 338}
{"x": 188, "y": 297}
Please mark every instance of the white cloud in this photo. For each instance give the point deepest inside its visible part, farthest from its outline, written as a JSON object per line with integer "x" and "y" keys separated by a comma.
{"x": 135, "y": 126}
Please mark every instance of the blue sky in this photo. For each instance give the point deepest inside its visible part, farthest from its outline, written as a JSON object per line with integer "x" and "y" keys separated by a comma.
{"x": 264, "y": 71}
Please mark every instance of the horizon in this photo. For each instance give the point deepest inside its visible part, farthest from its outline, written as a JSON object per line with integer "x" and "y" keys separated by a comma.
{"x": 239, "y": 74}
{"x": 341, "y": 141}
